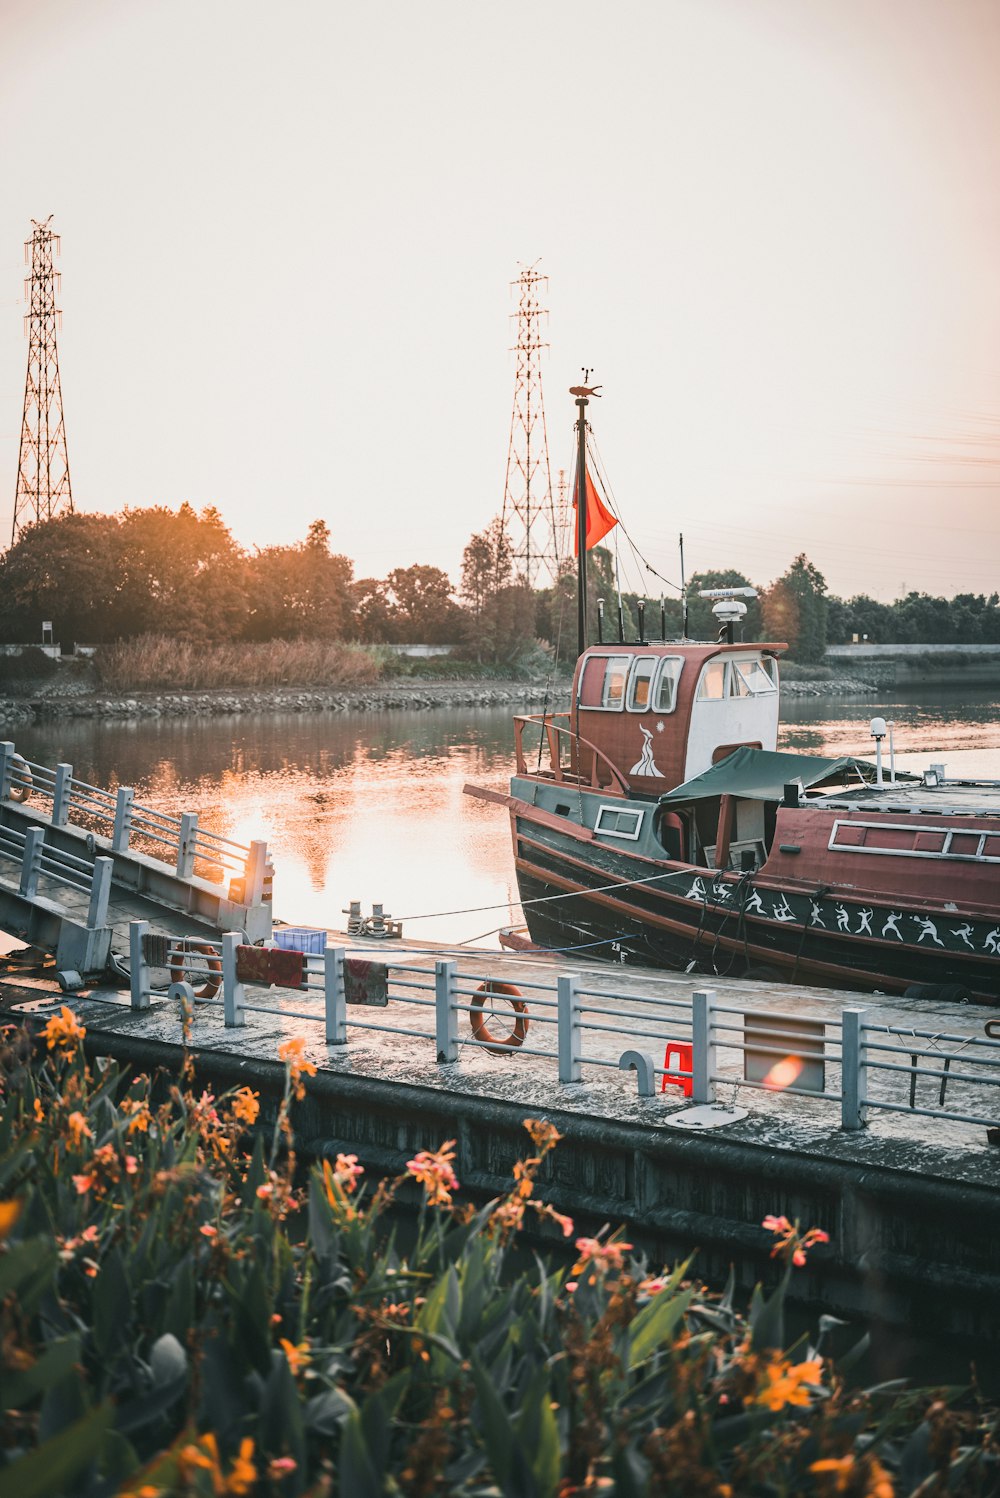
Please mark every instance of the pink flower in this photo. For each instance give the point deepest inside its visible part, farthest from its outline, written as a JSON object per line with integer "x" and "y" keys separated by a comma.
{"x": 208, "y": 1231}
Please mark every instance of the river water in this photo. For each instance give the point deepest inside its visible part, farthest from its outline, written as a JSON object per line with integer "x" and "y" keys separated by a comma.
{"x": 369, "y": 806}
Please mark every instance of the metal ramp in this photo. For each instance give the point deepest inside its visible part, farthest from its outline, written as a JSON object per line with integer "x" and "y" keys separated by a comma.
{"x": 78, "y": 861}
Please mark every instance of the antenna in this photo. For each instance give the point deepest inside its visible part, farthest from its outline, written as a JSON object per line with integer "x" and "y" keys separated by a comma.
{"x": 43, "y": 485}
{"x": 528, "y": 511}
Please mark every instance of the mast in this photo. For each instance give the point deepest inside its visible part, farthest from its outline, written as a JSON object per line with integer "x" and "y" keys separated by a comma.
{"x": 581, "y": 524}
{"x": 582, "y": 394}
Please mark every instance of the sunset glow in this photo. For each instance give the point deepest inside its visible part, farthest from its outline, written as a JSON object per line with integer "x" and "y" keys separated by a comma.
{"x": 288, "y": 237}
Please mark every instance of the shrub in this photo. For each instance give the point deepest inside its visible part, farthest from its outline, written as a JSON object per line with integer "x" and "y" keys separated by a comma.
{"x": 158, "y": 663}
{"x": 179, "y": 1316}
{"x": 22, "y": 671}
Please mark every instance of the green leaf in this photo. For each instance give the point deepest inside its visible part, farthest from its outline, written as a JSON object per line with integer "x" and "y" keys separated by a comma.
{"x": 326, "y": 1412}
{"x": 281, "y": 1422}
{"x": 767, "y": 1317}
{"x": 59, "y": 1359}
{"x": 542, "y": 1452}
{"x": 51, "y": 1468}
{"x": 357, "y": 1473}
{"x": 655, "y": 1324}
{"x": 26, "y": 1266}
{"x": 112, "y": 1304}
{"x": 497, "y": 1431}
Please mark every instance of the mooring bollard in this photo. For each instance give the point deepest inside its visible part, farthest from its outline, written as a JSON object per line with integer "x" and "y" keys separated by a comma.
{"x": 702, "y": 1047}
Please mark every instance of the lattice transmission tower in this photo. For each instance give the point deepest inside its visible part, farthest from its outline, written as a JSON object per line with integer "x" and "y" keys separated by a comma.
{"x": 43, "y": 486}
{"x": 528, "y": 510}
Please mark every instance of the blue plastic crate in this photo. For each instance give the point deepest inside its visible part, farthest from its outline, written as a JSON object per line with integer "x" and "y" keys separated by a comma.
{"x": 300, "y": 939}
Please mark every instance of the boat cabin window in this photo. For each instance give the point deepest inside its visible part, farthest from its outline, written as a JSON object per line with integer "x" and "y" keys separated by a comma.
{"x": 640, "y": 682}
{"x": 738, "y": 678}
{"x": 665, "y": 690}
{"x": 712, "y": 685}
{"x": 752, "y": 678}
{"x": 602, "y": 684}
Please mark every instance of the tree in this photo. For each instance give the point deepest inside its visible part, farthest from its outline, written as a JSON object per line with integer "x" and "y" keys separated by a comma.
{"x": 303, "y": 590}
{"x": 182, "y": 575}
{"x": 422, "y": 607}
{"x": 500, "y": 615}
{"x": 373, "y": 616}
{"x": 69, "y": 570}
{"x": 795, "y": 610}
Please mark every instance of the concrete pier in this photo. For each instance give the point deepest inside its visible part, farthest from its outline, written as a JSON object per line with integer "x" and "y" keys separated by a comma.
{"x": 911, "y": 1203}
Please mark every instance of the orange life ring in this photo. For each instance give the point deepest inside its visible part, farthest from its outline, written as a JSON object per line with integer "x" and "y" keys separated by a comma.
{"x": 20, "y": 780}
{"x": 499, "y": 1045}
{"x": 178, "y": 965}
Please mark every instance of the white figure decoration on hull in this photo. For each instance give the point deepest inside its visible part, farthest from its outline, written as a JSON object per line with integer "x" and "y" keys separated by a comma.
{"x": 646, "y": 764}
{"x": 927, "y": 928}
{"x": 890, "y": 925}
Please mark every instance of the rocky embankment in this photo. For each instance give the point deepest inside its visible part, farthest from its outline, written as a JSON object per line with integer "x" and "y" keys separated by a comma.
{"x": 383, "y": 697}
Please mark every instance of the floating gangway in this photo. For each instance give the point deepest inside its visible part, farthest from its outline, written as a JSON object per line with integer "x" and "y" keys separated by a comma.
{"x": 77, "y": 860}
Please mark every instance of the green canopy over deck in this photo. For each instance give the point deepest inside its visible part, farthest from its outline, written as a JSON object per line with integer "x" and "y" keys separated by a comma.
{"x": 761, "y": 775}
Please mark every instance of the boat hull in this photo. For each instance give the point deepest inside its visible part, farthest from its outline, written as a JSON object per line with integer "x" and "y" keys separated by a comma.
{"x": 599, "y": 901}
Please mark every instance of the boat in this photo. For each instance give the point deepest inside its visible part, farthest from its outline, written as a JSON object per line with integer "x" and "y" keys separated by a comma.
{"x": 657, "y": 823}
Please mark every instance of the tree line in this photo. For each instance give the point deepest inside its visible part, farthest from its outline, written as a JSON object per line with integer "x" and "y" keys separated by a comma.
{"x": 101, "y": 578}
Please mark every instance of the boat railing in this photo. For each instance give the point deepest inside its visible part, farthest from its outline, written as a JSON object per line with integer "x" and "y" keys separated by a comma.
{"x": 571, "y": 760}
{"x": 854, "y": 1070}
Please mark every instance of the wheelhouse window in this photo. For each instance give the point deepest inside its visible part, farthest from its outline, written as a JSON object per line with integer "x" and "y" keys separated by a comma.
{"x": 736, "y": 678}
{"x": 712, "y": 685}
{"x": 665, "y": 687}
{"x": 640, "y": 683}
{"x": 604, "y": 681}
{"x": 752, "y": 678}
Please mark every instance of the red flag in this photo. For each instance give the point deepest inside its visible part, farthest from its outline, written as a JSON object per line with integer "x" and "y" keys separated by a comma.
{"x": 599, "y": 519}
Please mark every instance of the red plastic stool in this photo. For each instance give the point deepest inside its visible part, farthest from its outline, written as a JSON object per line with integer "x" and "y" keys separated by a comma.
{"x": 680, "y": 1052}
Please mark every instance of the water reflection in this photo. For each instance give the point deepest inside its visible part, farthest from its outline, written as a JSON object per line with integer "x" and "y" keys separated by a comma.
{"x": 370, "y": 806}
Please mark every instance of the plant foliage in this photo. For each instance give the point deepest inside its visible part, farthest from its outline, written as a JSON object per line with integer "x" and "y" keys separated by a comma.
{"x": 181, "y": 1316}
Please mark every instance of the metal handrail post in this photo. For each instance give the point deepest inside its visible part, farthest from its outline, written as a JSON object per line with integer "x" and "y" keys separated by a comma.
{"x": 446, "y": 1011}
{"x": 61, "y": 789}
{"x": 123, "y": 818}
{"x": 185, "y": 844}
{"x": 100, "y": 891}
{"x": 233, "y": 993}
{"x": 31, "y": 861}
{"x": 335, "y": 995}
{"x": 854, "y": 1071}
{"x": 568, "y": 999}
{"x": 7, "y": 753}
{"x": 138, "y": 972}
{"x": 702, "y": 1047}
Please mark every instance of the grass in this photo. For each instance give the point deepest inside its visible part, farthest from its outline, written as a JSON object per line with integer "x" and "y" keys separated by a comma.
{"x": 156, "y": 663}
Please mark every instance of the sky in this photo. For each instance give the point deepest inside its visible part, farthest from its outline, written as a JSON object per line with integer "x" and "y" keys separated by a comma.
{"x": 771, "y": 228}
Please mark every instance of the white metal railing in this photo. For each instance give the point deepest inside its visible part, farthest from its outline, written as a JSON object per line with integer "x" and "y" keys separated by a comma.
{"x": 852, "y": 1060}
{"x": 36, "y": 860}
{"x": 127, "y": 822}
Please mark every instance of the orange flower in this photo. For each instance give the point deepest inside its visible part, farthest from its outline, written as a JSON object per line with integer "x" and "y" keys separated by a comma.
{"x": 39, "y": 1111}
{"x": 791, "y": 1243}
{"x": 208, "y": 1231}
{"x": 243, "y": 1474}
{"x": 297, "y": 1355}
{"x": 9, "y": 1213}
{"x": 843, "y": 1471}
{"x": 544, "y": 1136}
{"x": 432, "y": 1168}
{"x": 83, "y": 1183}
{"x": 788, "y": 1384}
{"x": 245, "y": 1105}
{"x": 346, "y": 1172}
{"x": 292, "y": 1053}
{"x": 559, "y": 1218}
{"x": 63, "y": 1031}
{"x": 603, "y": 1256}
